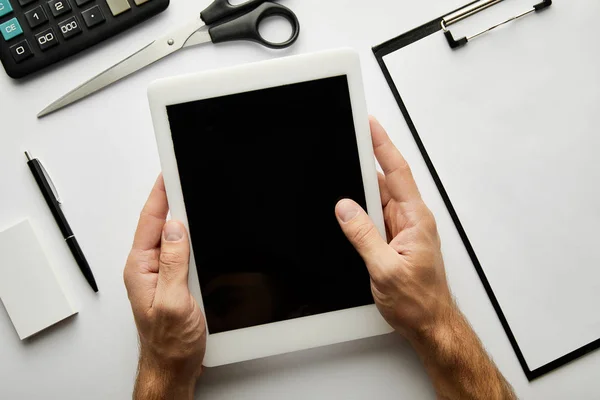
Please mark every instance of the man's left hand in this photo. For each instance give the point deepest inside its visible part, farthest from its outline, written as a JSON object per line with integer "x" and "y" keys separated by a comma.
{"x": 169, "y": 321}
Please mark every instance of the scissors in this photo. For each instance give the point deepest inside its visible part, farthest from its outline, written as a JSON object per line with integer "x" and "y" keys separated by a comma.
{"x": 219, "y": 22}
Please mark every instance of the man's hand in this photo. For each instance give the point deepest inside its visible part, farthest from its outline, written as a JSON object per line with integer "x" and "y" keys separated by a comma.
{"x": 408, "y": 281}
{"x": 169, "y": 321}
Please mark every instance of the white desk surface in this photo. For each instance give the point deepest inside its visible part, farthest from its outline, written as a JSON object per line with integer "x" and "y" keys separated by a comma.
{"x": 102, "y": 156}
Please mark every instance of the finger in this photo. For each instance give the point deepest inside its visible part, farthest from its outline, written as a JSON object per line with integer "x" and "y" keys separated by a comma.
{"x": 399, "y": 178}
{"x": 140, "y": 280}
{"x": 174, "y": 257}
{"x": 384, "y": 192}
{"x": 152, "y": 218}
{"x": 364, "y": 236}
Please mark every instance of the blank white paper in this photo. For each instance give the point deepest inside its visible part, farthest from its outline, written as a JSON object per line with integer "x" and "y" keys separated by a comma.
{"x": 511, "y": 122}
{"x": 29, "y": 289}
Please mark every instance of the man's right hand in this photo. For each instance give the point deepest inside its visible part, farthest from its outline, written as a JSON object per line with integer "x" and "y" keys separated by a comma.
{"x": 408, "y": 281}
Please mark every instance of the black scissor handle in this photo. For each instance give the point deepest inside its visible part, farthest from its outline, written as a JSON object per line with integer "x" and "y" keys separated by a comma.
{"x": 221, "y": 10}
{"x": 245, "y": 27}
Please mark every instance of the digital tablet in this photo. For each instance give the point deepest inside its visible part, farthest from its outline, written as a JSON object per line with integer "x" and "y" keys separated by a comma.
{"x": 254, "y": 160}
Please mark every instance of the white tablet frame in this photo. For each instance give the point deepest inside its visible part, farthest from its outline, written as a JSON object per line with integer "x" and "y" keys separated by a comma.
{"x": 301, "y": 333}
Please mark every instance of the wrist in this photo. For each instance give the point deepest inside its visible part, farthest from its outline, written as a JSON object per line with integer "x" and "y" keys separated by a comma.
{"x": 156, "y": 380}
{"x": 441, "y": 331}
{"x": 457, "y": 362}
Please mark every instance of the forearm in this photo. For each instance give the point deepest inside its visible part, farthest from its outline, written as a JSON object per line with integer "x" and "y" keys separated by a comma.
{"x": 458, "y": 364}
{"x": 156, "y": 383}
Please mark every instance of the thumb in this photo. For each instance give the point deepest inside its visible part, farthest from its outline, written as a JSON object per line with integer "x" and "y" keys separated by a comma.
{"x": 361, "y": 232}
{"x": 174, "y": 257}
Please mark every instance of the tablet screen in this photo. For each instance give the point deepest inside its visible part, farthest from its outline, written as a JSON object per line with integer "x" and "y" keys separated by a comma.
{"x": 261, "y": 173}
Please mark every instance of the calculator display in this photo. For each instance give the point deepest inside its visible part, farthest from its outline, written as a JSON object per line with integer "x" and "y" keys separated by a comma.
{"x": 261, "y": 173}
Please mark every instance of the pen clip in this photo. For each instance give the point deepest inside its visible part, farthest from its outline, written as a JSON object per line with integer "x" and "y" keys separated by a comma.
{"x": 52, "y": 187}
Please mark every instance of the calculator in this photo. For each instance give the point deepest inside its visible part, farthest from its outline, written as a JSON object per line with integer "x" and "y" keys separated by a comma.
{"x": 37, "y": 33}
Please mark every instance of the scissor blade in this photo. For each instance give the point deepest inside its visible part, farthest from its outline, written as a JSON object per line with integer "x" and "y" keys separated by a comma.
{"x": 140, "y": 59}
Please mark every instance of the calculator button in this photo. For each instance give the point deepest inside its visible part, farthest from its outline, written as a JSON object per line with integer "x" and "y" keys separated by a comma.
{"x": 11, "y": 29}
{"x": 117, "y": 6}
{"x": 59, "y": 7}
{"x": 140, "y": 2}
{"x": 93, "y": 16}
{"x": 25, "y": 2}
{"x": 21, "y": 51}
{"x": 5, "y": 7}
{"x": 82, "y": 2}
{"x": 69, "y": 28}
{"x": 46, "y": 39}
{"x": 36, "y": 16}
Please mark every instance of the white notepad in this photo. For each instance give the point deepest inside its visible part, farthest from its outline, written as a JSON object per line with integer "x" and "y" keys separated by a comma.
{"x": 29, "y": 289}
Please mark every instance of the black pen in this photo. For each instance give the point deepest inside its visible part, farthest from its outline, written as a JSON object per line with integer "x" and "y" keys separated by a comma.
{"x": 51, "y": 195}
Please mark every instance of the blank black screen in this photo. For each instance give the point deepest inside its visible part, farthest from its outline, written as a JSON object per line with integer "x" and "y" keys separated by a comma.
{"x": 261, "y": 173}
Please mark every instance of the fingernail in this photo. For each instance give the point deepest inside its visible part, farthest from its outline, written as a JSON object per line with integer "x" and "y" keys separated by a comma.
{"x": 172, "y": 231}
{"x": 347, "y": 209}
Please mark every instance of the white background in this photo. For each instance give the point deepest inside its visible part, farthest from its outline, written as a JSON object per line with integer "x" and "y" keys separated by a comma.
{"x": 102, "y": 156}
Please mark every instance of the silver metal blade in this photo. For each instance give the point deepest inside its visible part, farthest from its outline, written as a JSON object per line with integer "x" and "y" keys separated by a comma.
{"x": 153, "y": 52}
{"x": 198, "y": 37}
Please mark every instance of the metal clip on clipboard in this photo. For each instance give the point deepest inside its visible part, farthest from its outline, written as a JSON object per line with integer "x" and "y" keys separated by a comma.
{"x": 474, "y": 8}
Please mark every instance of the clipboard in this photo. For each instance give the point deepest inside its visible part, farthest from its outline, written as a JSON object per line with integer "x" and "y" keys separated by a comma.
{"x": 522, "y": 17}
